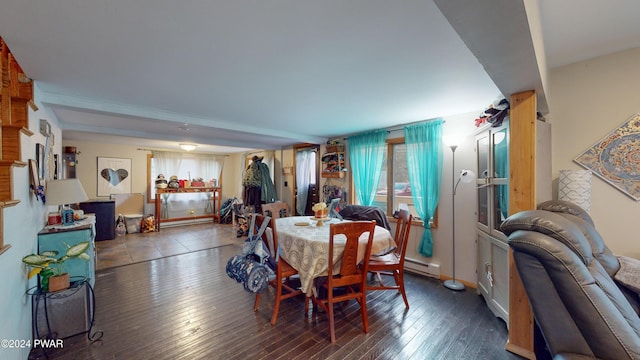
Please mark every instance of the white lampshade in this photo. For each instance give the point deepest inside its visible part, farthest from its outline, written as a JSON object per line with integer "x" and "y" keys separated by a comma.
{"x": 575, "y": 186}
{"x": 63, "y": 192}
{"x": 467, "y": 176}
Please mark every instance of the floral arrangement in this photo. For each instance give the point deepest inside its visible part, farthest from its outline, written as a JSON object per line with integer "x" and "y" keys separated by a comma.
{"x": 319, "y": 207}
{"x": 320, "y": 210}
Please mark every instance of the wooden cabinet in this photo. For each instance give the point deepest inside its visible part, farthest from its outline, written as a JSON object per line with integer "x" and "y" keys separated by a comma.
{"x": 492, "y": 151}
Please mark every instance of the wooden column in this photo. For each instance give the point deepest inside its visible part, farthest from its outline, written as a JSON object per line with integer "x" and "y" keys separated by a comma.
{"x": 522, "y": 196}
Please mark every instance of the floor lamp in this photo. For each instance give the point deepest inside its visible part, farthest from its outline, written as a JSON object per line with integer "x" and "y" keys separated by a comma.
{"x": 466, "y": 176}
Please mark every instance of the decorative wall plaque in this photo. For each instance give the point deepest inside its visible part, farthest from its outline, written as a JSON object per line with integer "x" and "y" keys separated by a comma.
{"x": 616, "y": 158}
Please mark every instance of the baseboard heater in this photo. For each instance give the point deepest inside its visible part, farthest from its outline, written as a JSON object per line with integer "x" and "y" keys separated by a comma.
{"x": 428, "y": 269}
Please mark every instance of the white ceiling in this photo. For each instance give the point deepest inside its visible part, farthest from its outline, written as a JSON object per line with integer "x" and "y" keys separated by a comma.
{"x": 265, "y": 74}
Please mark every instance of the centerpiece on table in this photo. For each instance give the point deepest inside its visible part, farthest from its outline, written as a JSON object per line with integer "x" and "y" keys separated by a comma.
{"x": 321, "y": 212}
{"x": 51, "y": 268}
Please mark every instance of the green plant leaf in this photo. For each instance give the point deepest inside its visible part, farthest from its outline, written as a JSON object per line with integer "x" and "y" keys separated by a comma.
{"x": 84, "y": 256}
{"x": 50, "y": 253}
{"x": 77, "y": 249}
{"x": 37, "y": 260}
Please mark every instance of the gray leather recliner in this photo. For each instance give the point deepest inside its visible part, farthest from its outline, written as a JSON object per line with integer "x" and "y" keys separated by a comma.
{"x": 567, "y": 272}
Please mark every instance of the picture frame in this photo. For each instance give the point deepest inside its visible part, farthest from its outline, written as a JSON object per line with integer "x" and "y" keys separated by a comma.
{"x": 114, "y": 176}
{"x": 56, "y": 164}
{"x": 34, "y": 181}
{"x": 45, "y": 128}
{"x": 614, "y": 158}
{"x": 40, "y": 154}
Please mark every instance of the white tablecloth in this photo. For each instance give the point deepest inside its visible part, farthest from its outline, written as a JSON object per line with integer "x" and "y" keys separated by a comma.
{"x": 306, "y": 248}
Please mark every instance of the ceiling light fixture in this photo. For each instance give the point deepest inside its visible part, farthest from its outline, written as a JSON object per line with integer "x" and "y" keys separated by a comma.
{"x": 188, "y": 147}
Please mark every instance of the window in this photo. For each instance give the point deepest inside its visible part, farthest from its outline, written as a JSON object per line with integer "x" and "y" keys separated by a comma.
{"x": 184, "y": 166}
{"x": 397, "y": 179}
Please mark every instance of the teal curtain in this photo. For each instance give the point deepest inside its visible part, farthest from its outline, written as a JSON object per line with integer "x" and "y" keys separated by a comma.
{"x": 424, "y": 163}
{"x": 366, "y": 152}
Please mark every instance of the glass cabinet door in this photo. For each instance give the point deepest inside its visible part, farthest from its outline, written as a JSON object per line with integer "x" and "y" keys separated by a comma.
{"x": 501, "y": 175}
{"x": 482, "y": 150}
{"x": 492, "y": 149}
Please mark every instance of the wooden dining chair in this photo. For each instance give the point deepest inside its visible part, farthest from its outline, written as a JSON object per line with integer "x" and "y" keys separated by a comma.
{"x": 392, "y": 264}
{"x": 275, "y": 210}
{"x": 352, "y": 275}
{"x": 282, "y": 284}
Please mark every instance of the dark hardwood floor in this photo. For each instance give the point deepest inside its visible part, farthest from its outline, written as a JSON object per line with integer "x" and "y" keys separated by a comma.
{"x": 186, "y": 307}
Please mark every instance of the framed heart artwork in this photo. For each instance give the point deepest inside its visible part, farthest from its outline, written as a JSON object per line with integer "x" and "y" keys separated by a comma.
{"x": 114, "y": 176}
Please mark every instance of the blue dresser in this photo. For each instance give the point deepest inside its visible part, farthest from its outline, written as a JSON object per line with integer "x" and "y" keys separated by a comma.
{"x": 58, "y": 237}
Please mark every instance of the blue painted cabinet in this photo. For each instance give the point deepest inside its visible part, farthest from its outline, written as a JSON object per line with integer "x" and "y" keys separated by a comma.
{"x": 58, "y": 239}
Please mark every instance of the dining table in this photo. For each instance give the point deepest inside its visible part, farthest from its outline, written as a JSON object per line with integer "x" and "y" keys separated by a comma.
{"x": 304, "y": 244}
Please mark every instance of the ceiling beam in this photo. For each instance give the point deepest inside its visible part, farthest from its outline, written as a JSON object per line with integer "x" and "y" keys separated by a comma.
{"x": 129, "y": 111}
{"x": 504, "y": 38}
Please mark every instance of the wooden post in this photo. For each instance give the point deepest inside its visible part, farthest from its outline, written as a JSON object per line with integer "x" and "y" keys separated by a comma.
{"x": 522, "y": 188}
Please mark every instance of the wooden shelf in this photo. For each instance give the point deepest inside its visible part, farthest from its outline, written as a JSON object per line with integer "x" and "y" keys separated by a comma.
{"x": 4, "y": 248}
{"x": 216, "y": 200}
{"x": 333, "y": 175}
{"x": 5, "y": 204}
{"x": 16, "y": 98}
{"x": 333, "y": 164}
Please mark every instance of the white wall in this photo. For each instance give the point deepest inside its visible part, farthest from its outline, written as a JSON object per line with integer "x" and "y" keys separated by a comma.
{"x": 22, "y": 223}
{"x": 87, "y": 167}
{"x": 588, "y": 100}
{"x": 232, "y": 175}
{"x": 286, "y": 194}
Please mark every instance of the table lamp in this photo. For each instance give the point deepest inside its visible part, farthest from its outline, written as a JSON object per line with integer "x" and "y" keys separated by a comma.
{"x": 62, "y": 193}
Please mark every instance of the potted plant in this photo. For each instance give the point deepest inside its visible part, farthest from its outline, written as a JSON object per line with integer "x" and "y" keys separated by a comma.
{"x": 51, "y": 268}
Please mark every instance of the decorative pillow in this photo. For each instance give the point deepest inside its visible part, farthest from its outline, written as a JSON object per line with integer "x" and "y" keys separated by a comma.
{"x": 629, "y": 273}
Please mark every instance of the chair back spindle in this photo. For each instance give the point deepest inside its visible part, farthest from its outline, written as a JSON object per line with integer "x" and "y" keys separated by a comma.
{"x": 353, "y": 274}
{"x": 393, "y": 264}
